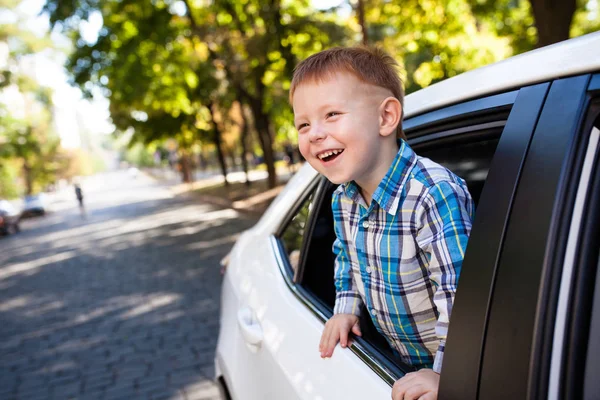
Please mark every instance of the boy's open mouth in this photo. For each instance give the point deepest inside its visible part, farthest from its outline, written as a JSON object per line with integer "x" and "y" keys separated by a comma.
{"x": 330, "y": 155}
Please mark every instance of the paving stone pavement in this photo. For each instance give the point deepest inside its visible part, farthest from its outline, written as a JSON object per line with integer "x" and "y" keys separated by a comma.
{"x": 123, "y": 304}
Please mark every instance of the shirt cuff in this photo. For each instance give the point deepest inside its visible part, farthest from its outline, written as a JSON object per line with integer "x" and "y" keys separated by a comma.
{"x": 439, "y": 358}
{"x": 347, "y": 302}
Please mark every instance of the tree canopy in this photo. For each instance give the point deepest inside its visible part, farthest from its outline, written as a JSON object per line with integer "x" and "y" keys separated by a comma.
{"x": 177, "y": 68}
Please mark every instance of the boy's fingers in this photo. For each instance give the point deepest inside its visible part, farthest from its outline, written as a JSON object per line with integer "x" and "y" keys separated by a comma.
{"x": 343, "y": 337}
{"x": 324, "y": 340}
{"x": 414, "y": 392}
{"x": 333, "y": 340}
{"x": 399, "y": 390}
{"x": 404, "y": 392}
{"x": 356, "y": 329}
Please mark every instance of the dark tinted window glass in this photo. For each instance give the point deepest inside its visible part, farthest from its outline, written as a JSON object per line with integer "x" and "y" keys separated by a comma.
{"x": 470, "y": 161}
{"x": 294, "y": 232}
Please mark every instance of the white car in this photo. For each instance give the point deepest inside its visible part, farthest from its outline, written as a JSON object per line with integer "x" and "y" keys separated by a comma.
{"x": 524, "y": 135}
{"x": 35, "y": 205}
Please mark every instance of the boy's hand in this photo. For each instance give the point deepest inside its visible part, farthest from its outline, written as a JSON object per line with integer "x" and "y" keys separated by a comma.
{"x": 422, "y": 385}
{"x": 336, "y": 330}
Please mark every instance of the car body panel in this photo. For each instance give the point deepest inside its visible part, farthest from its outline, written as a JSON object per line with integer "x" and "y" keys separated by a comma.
{"x": 9, "y": 218}
{"x": 291, "y": 334}
{"x": 35, "y": 205}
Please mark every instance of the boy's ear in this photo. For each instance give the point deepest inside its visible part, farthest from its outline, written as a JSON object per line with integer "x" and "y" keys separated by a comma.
{"x": 390, "y": 114}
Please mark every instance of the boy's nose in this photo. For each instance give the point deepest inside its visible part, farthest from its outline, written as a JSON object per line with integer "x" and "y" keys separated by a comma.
{"x": 316, "y": 134}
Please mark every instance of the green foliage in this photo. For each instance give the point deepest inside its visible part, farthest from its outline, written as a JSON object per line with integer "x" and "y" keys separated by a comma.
{"x": 586, "y": 18}
{"x": 169, "y": 66}
{"x": 30, "y": 154}
{"x": 9, "y": 173}
{"x": 139, "y": 155}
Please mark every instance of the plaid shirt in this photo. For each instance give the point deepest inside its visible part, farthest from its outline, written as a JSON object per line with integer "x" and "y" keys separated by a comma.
{"x": 401, "y": 255}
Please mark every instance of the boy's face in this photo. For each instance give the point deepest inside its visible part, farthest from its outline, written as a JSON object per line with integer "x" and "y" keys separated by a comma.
{"x": 338, "y": 122}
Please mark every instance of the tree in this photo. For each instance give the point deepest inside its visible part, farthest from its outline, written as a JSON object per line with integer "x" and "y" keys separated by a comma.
{"x": 158, "y": 79}
{"x": 538, "y": 23}
{"x": 257, "y": 46}
{"x": 432, "y": 40}
{"x": 26, "y": 134}
{"x": 154, "y": 60}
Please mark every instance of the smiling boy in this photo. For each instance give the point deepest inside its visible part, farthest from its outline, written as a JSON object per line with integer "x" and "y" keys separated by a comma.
{"x": 402, "y": 221}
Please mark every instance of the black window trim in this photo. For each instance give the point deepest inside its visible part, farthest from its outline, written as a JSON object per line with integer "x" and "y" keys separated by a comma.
{"x": 484, "y": 105}
{"x": 569, "y": 273}
{"x": 576, "y": 325}
{"x": 455, "y": 132}
{"x": 520, "y": 300}
{"x": 594, "y": 83}
{"x": 467, "y": 332}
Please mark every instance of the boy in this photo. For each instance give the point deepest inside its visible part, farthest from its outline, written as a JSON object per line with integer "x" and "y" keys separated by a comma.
{"x": 401, "y": 221}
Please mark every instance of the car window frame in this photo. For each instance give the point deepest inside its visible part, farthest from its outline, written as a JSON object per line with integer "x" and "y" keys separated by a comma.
{"x": 310, "y": 189}
{"x": 522, "y": 298}
{"x": 572, "y": 350}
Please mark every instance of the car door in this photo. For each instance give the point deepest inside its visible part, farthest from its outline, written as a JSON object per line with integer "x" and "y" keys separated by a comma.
{"x": 296, "y": 307}
{"x": 515, "y": 334}
{"x": 271, "y": 349}
{"x": 285, "y": 289}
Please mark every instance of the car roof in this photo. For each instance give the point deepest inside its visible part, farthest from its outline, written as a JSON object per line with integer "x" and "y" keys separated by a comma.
{"x": 571, "y": 57}
{"x": 6, "y": 206}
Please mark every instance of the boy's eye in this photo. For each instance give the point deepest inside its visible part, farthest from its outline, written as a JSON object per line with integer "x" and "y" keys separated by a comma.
{"x": 302, "y": 126}
{"x": 332, "y": 114}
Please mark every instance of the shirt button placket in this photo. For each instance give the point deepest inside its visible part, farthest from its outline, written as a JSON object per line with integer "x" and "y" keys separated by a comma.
{"x": 366, "y": 224}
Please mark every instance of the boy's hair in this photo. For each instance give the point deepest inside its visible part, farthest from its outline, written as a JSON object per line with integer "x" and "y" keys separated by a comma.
{"x": 371, "y": 65}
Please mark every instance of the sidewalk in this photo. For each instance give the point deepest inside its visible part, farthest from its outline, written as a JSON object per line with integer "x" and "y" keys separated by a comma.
{"x": 210, "y": 188}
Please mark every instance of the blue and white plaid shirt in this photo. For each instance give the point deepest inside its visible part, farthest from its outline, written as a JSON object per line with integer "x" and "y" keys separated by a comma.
{"x": 401, "y": 255}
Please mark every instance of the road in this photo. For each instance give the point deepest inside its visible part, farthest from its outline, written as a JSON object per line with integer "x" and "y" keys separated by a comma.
{"x": 121, "y": 303}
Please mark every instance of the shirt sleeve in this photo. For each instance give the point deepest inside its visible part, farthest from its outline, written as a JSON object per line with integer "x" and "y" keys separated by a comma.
{"x": 445, "y": 225}
{"x": 347, "y": 297}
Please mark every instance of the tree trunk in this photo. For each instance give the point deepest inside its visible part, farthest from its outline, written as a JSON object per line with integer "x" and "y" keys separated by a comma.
{"x": 186, "y": 171}
{"x": 261, "y": 123}
{"x": 553, "y": 20}
{"x": 27, "y": 174}
{"x": 244, "y": 139}
{"x": 360, "y": 11}
{"x": 219, "y": 145}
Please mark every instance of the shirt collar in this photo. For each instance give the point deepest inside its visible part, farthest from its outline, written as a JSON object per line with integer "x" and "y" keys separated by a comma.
{"x": 386, "y": 194}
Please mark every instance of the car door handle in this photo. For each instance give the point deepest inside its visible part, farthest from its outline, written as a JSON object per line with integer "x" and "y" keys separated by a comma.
{"x": 250, "y": 327}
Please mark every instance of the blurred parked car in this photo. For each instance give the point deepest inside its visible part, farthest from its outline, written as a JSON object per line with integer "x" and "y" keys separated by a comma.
{"x": 524, "y": 135}
{"x": 35, "y": 205}
{"x": 9, "y": 218}
{"x": 133, "y": 172}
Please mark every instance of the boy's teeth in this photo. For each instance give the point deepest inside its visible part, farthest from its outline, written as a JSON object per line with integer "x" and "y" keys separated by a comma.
{"x": 329, "y": 153}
